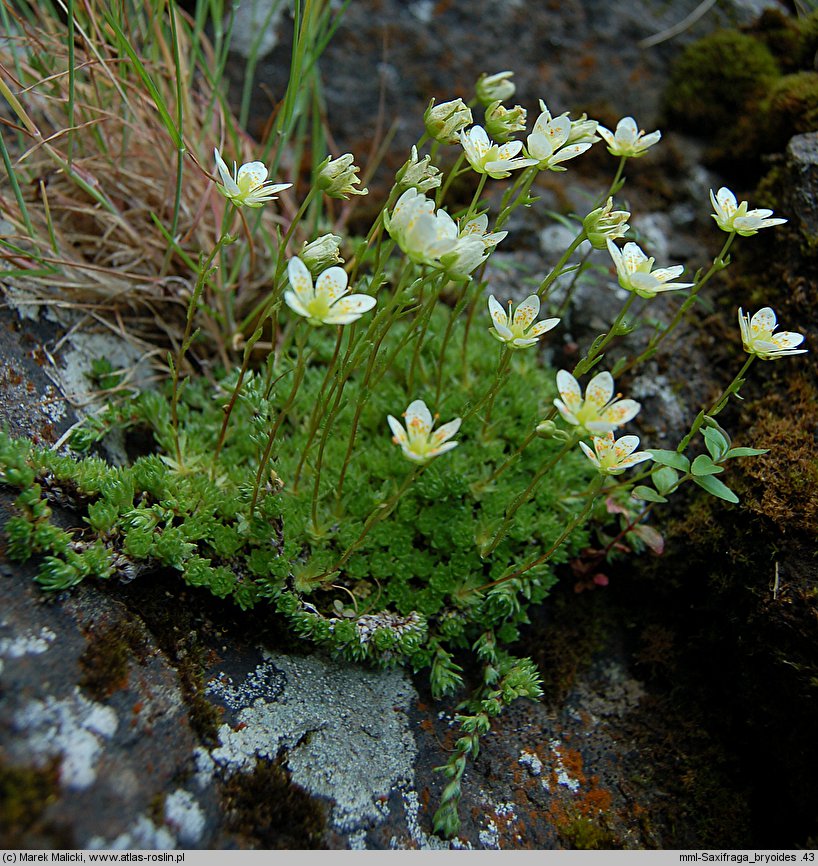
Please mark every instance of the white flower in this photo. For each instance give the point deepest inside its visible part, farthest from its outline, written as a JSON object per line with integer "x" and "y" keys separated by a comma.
{"x": 476, "y": 228}
{"x": 503, "y": 123}
{"x": 628, "y": 140}
{"x": 515, "y": 330}
{"x": 583, "y": 129}
{"x": 465, "y": 256}
{"x": 494, "y": 87}
{"x": 321, "y": 253}
{"x": 337, "y": 177}
{"x": 600, "y": 411}
{"x": 247, "y": 185}
{"x": 327, "y": 303}
{"x": 418, "y": 173}
{"x": 604, "y": 224}
{"x": 430, "y": 238}
{"x": 443, "y": 122}
{"x": 613, "y": 458}
{"x": 550, "y": 140}
{"x": 417, "y": 441}
{"x": 758, "y": 338}
{"x": 635, "y": 272}
{"x": 486, "y": 157}
{"x": 733, "y": 217}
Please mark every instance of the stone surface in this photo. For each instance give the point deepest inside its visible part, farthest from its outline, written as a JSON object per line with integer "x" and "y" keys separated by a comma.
{"x": 582, "y": 55}
{"x": 802, "y": 167}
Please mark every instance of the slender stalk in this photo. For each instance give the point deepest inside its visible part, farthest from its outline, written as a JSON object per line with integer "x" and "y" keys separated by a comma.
{"x": 616, "y": 183}
{"x": 379, "y": 513}
{"x": 526, "y": 495}
{"x": 496, "y": 385}
{"x": 718, "y": 405}
{"x": 187, "y": 337}
{"x": 597, "y": 348}
{"x": 719, "y": 264}
{"x": 578, "y": 520}
{"x": 523, "y": 183}
{"x": 300, "y": 367}
{"x": 556, "y": 271}
{"x": 319, "y": 406}
{"x": 481, "y": 485}
{"x": 454, "y": 171}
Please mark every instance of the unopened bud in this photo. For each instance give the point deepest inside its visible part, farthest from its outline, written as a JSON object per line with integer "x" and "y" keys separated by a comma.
{"x": 493, "y": 87}
{"x": 337, "y": 177}
{"x": 546, "y": 429}
{"x": 605, "y": 224}
{"x": 503, "y": 123}
{"x": 419, "y": 174}
{"x": 322, "y": 253}
{"x": 444, "y": 121}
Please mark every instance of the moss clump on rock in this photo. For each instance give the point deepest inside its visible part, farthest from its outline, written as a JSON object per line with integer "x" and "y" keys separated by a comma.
{"x": 715, "y": 78}
{"x": 791, "y": 107}
{"x": 748, "y": 92}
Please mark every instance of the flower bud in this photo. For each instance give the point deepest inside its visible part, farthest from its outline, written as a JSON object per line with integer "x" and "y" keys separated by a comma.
{"x": 546, "y": 429}
{"x": 418, "y": 174}
{"x": 493, "y": 87}
{"x": 605, "y": 224}
{"x": 322, "y": 253}
{"x": 583, "y": 131}
{"x": 444, "y": 121}
{"x": 502, "y": 123}
{"x": 338, "y": 176}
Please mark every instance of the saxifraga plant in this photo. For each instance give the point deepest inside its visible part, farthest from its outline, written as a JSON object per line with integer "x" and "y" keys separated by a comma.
{"x": 275, "y": 481}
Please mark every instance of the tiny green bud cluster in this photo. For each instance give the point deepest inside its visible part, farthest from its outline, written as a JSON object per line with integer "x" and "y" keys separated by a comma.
{"x": 445, "y": 121}
{"x": 604, "y": 224}
{"x": 338, "y": 177}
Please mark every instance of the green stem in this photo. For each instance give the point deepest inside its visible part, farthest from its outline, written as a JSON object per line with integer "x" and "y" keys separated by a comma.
{"x": 379, "y": 513}
{"x": 544, "y": 557}
{"x": 187, "y": 337}
{"x": 481, "y": 485}
{"x": 718, "y": 405}
{"x": 452, "y": 174}
{"x": 319, "y": 405}
{"x": 301, "y": 364}
{"x": 522, "y": 183}
{"x": 719, "y": 264}
{"x": 496, "y": 385}
{"x": 556, "y": 271}
{"x": 526, "y": 495}
{"x": 597, "y": 348}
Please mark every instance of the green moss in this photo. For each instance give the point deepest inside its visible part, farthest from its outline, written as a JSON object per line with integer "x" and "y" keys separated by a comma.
{"x": 791, "y": 108}
{"x": 792, "y": 39}
{"x": 25, "y": 793}
{"x": 106, "y": 660}
{"x": 586, "y": 834}
{"x": 267, "y": 811}
{"x": 715, "y": 78}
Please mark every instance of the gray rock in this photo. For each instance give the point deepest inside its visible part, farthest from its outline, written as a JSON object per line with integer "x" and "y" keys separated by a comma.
{"x": 802, "y": 168}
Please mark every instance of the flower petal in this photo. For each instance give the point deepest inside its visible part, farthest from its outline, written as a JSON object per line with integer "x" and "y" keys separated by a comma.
{"x": 569, "y": 390}
{"x": 293, "y": 301}
{"x": 446, "y": 431}
{"x": 542, "y": 327}
{"x": 300, "y": 279}
{"x": 620, "y": 412}
{"x": 526, "y": 312}
{"x": 418, "y": 418}
{"x": 599, "y": 390}
{"x": 498, "y": 314}
{"x": 763, "y": 320}
{"x": 332, "y": 284}
{"x": 397, "y": 429}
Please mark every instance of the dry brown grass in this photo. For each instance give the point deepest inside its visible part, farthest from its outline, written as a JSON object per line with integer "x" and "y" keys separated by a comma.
{"x": 98, "y": 175}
